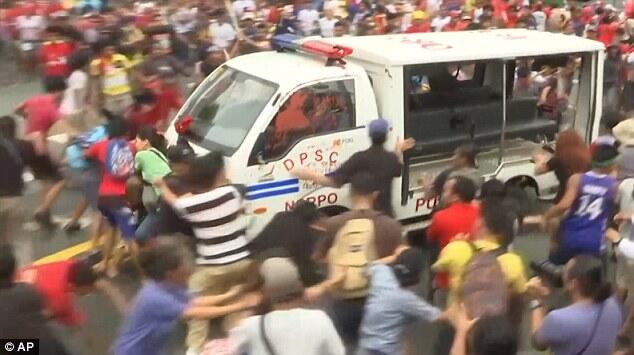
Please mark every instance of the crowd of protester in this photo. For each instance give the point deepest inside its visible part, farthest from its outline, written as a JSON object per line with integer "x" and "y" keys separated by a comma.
{"x": 112, "y": 75}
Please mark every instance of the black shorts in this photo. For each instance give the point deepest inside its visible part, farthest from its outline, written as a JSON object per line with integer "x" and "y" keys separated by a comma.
{"x": 43, "y": 168}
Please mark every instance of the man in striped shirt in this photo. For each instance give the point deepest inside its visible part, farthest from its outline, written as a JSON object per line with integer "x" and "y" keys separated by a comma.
{"x": 215, "y": 211}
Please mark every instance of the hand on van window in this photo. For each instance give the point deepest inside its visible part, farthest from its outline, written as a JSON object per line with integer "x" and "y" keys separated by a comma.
{"x": 403, "y": 145}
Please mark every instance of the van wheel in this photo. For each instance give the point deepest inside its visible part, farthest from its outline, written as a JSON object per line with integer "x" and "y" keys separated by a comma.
{"x": 524, "y": 190}
{"x": 332, "y": 211}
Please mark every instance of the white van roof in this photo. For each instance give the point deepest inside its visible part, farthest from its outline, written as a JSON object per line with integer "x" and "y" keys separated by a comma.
{"x": 438, "y": 47}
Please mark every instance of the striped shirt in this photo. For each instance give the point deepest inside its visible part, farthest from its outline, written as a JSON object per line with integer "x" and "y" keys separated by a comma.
{"x": 219, "y": 224}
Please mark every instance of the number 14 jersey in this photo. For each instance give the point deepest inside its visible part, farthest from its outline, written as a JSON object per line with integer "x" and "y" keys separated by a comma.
{"x": 584, "y": 226}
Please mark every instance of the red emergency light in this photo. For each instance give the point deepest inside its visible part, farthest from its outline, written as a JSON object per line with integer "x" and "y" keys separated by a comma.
{"x": 333, "y": 52}
{"x": 329, "y": 50}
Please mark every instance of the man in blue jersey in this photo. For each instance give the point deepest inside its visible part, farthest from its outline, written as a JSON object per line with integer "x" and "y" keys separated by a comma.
{"x": 588, "y": 203}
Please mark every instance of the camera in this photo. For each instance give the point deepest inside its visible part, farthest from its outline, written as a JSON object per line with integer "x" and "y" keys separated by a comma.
{"x": 549, "y": 272}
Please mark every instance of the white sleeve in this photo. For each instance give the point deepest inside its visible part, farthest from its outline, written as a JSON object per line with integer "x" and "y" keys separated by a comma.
{"x": 626, "y": 247}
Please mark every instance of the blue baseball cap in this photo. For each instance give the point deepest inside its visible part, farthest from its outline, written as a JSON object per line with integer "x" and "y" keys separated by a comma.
{"x": 378, "y": 126}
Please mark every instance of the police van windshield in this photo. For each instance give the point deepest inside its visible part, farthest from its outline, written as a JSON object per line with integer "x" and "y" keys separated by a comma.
{"x": 225, "y": 107}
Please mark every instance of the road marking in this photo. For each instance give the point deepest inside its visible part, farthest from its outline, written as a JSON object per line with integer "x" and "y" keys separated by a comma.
{"x": 65, "y": 254}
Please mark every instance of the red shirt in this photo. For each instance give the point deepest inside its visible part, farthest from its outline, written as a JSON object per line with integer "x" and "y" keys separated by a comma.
{"x": 41, "y": 112}
{"x": 168, "y": 99}
{"x": 51, "y": 281}
{"x": 423, "y": 27}
{"x": 458, "y": 218}
{"x": 54, "y": 56}
{"x": 110, "y": 185}
{"x": 606, "y": 32}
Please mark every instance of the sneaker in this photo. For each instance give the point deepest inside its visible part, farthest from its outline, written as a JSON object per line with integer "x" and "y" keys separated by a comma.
{"x": 44, "y": 219}
{"x": 72, "y": 227}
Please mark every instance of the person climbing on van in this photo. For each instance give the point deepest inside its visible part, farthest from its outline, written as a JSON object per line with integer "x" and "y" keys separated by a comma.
{"x": 376, "y": 160}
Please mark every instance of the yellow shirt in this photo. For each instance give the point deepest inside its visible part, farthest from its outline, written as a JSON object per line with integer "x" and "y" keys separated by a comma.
{"x": 456, "y": 255}
{"x": 113, "y": 73}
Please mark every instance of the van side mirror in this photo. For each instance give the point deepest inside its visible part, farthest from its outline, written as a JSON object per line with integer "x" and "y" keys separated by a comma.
{"x": 257, "y": 154}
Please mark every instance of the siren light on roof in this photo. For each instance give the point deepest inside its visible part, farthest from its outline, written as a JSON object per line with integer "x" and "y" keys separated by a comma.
{"x": 313, "y": 46}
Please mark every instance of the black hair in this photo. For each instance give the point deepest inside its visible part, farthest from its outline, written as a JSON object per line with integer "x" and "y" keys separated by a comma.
{"x": 117, "y": 127}
{"x": 7, "y": 264}
{"x": 378, "y": 138}
{"x": 7, "y": 127}
{"x": 465, "y": 188}
{"x": 81, "y": 274}
{"x": 363, "y": 184}
{"x": 204, "y": 170}
{"x": 102, "y": 44}
{"x": 493, "y": 188}
{"x": 54, "y": 84}
{"x": 469, "y": 152}
{"x": 587, "y": 270}
{"x": 157, "y": 261}
{"x": 493, "y": 335}
{"x": 498, "y": 221}
{"x": 157, "y": 141}
{"x": 306, "y": 211}
{"x": 340, "y": 24}
{"x": 78, "y": 60}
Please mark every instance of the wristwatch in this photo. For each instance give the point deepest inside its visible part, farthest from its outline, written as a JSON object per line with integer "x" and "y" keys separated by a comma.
{"x": 534, "y": 304}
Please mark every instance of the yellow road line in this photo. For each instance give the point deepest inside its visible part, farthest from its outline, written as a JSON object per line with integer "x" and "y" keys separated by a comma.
{"x": 65, "y": 254}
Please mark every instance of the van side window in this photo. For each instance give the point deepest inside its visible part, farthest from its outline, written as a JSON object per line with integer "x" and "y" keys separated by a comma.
{"x": 316, "y": 109}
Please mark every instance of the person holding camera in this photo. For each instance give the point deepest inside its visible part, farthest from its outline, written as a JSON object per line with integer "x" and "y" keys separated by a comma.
{"x": 590, "y": 325}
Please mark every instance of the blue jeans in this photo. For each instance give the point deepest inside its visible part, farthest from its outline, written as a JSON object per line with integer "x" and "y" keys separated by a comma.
{"x": 148, "y": 228}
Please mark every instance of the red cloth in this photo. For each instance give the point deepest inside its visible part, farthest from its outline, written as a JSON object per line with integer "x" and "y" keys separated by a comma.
{"x": 606, "y": 32}
{"x": 423, "y": 27}
{"x": 168, "y": 99}
{"x": 51, "y": 281}
{"x": 456, "y": 219}
{"x": 110, "y": 185}
{"x": 54, "y": 57}
{"x": 41, "y": 112}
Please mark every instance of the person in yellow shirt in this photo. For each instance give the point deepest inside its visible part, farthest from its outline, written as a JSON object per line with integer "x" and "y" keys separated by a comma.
{"x": 492, "y": 228}
{"x": 111, "y": 80}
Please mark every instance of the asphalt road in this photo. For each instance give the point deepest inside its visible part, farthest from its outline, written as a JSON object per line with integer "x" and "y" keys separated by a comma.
{"x": 97, "y": 335}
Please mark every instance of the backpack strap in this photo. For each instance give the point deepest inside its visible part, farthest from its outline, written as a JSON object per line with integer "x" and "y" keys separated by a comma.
{"x": 159, "y": 154}
{"x": 265, "y": 339}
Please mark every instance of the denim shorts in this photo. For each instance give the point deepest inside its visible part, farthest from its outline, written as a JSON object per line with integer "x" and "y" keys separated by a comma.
{"x": 119, "y": 215}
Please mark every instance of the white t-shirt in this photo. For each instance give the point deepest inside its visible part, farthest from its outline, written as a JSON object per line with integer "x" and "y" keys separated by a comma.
{"x": 222, "y": 34}
{"x": 31, "y": 27}
{"x": 439, "y": 22}
{"x": 292, "y": 332}
{"x": 327, "y": 27}
{"x": 308, "y": 20}
{"x": 540, "y": 20}
{"x": 240, "y": 5}
{"x": 77, "y": 85}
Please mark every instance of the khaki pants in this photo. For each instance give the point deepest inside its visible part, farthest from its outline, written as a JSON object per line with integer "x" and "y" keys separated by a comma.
{"x": 213, "y": 280}
{"x": 117, "y": 104}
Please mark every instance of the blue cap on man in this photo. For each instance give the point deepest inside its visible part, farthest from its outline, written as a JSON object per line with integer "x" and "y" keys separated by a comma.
{"x": 379, "y": 126}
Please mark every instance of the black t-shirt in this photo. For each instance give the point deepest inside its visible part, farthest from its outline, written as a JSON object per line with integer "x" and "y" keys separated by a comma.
{"x": 290, "y": 233}
{"x": 557, "y": 166}
{"x": 14, "y": 156}
{"x": 383, "y": 165}
{"x": 170, "y": 221}
{"x": 22, "y": 309}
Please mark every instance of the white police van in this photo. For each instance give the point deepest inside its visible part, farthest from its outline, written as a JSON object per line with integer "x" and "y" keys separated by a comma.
{"x": 308, "y": 105}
